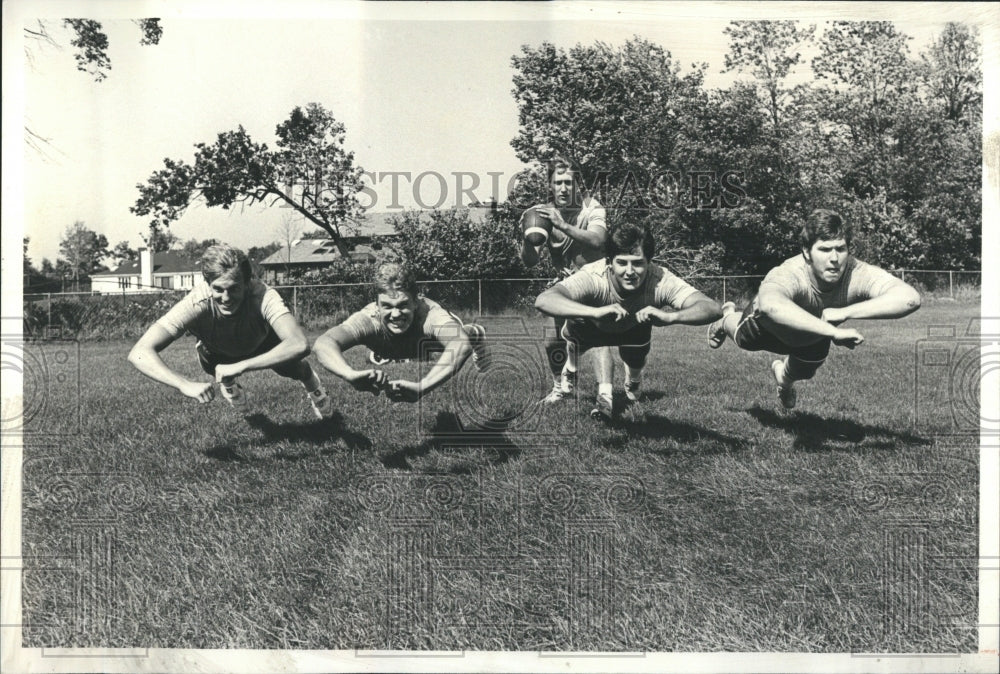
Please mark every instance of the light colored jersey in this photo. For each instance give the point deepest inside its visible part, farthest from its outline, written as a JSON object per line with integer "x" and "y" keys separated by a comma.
{"x": 568, "y": 252}
{"x": 432, "y": 327}
{"x": 237, "y": 335}
{"x": 794, "y": 279}
{"x": 592, "y": 285}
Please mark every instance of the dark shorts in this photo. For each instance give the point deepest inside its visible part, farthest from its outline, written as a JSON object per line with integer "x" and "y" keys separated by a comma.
{"x": 586, "y": 335}
{"x": 209, "y": 360}
{"x": 752, "y": 336}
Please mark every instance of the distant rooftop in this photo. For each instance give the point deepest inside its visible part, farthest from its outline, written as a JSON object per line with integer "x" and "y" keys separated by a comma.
{"x": 169, "y": 262}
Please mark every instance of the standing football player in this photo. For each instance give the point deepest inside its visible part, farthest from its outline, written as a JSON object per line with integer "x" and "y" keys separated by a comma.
{"x": 616, "y": 302}
{"x": 241, "y": 324}
{"x": 578, "y": 235}
{"x": 402, "y": 324}
{"x": 803, "y": 301}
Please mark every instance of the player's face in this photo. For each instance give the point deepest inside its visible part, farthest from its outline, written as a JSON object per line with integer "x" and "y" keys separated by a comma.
{"x": 228, "y": 292}
{"x": 630, "y": 271}
{"x": 397, "y": 311}
{"x": 563, "y": 188}
{"x": 828, "y": 259}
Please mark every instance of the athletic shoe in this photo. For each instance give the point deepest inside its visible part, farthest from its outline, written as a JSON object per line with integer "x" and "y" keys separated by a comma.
{"x": 322, "y": 404}
{"x": 603, "y": 409}
{"x": 557, "y": 394}
{"x": 480, "y": 349}
{"x": 786, "y": 394}
{"x": 234, "y": 395}
{"x": 632, "y": 390}
{"x": 716, "y": 333}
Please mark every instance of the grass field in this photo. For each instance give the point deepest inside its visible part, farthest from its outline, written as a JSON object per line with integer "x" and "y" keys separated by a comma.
{"x": 717, "y": 523}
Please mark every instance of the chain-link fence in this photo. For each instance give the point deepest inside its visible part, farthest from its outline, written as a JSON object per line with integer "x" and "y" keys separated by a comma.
{"x": 317, "y": 307}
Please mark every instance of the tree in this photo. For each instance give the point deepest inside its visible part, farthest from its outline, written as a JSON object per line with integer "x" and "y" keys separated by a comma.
{"x": 160, "y": 239}
{"x": 289, "y": 229}
{"x": 953, "y": 72}
{"x": 309, "y": 172}
{"x": 122, "y": 253}
{"x": 766, "y": 49}
{"x": 193, "y": 249}
{"x": 82, "y": 251}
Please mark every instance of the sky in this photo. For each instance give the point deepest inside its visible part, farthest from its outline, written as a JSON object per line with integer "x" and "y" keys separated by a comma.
{"x": 415, "y": 92}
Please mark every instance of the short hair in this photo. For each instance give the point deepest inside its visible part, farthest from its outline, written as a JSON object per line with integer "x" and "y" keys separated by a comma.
{"x": 626, "y": 237}
{"x": 825, "y": 225}
{"x": 222, "y": 259}
{"x": 559, "y": 163}
{"x": 392, "y": 277}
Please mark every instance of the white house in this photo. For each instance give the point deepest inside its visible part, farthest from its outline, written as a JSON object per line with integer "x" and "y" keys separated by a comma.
{"x": 153, "y": 272}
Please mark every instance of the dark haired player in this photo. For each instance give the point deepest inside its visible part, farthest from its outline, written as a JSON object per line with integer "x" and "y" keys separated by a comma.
{"x": 801, "y": 303}
{"x": 402, "y": 324}
{"x": 617, "y": 301}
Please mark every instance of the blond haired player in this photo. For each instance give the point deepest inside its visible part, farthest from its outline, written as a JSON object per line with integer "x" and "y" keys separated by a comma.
{"x": 801, "y": 303}
{"x": 579, "y": 233}
{"x": 241, "y": 325}
{"x": 402, "y": 324}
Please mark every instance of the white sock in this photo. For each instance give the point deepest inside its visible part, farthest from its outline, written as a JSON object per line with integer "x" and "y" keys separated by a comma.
{"x": 785, "y": 381}
{"x": 605, "y": 390}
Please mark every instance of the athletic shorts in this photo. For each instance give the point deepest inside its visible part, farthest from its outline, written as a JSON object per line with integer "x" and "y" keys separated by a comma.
{"x": 209, "y": 360}
{"x": 587, "y": 335}
{"x": 752, "y": 336}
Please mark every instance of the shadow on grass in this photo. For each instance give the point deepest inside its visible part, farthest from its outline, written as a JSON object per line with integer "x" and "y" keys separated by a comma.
{"x": 656, "y": 427}
{"x": 814, "y": 433}
{"x": 330, "y": 431}
{"x": 447, "y": 433}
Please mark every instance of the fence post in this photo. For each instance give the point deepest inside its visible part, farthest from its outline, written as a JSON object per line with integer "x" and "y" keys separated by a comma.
{"x": 723, "y": 289}
{"x": 479, "y": 282}
{"x": 295, "y": 301}
{"x": 951, "y": 284}
{"x": 902, "y": 275}
{"x": 49, "y": 324}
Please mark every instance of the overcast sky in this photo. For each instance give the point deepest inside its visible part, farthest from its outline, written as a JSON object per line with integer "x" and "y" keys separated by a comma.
{"x": 415, "y": 93}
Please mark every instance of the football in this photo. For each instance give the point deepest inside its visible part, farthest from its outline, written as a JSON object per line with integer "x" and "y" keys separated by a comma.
{"x": 536, "y": 227}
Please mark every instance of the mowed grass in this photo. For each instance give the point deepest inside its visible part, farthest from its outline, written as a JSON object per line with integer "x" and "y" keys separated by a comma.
{"x": 718, "y": 522}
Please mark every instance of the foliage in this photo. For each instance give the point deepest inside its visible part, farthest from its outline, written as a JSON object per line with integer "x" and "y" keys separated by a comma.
{"x": 451, "y": 244}
{"x": 310, "y": 171}
{"x": 82, "y": 250}
{"x": 952, "y": 71}
{"x": 193, "y": 249}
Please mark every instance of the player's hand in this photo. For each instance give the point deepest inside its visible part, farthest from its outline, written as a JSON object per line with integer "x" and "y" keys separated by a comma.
{"x": 834, "y": 316}
{"x": 201, "y": 391}
{"x": 372, "y": 381}
{"x": 403, "y": 391}
{"x": 649, "y": 314}
{"x": 228, "y": 371}
{"x": 848, "y": 337}
{"x": 615, "y": 311}
{"x": 554, "y": 216}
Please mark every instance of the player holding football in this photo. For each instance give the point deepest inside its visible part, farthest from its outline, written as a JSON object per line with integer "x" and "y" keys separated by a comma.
{"x": 402, "y": 324}
{"x": 618, "y": 300}
{"x": 578, "y": 236}
{"x": 802, "y": 302}
{"x": 241, "y": 324}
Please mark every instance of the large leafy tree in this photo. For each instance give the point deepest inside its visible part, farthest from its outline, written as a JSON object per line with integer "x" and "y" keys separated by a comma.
{"x": 82, "y": 250}
{"x": 953, "y": 74}
{"x": 767, "y": 50}
{"x": 309, "y": 171}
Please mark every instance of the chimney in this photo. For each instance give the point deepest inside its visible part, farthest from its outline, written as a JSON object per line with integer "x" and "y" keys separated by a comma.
{"x": 145, "y": 268}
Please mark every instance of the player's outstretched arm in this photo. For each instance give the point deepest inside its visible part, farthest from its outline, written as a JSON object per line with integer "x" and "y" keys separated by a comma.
{"x": 780, "y": 309}
{"x": 557, "y": 302}
{"x": 145, "y": 356}
{"x": 898, "y": 300}
{"x": 457, "y": 350}
{"x": 696, "y": 309}
{"x": 329, "y": 350}
{"x": 293, "y": 346}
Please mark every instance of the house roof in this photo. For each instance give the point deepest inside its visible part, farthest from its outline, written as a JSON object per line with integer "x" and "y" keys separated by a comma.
{"x": 303, "y": 251}
{"x": 169, "y": 262}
